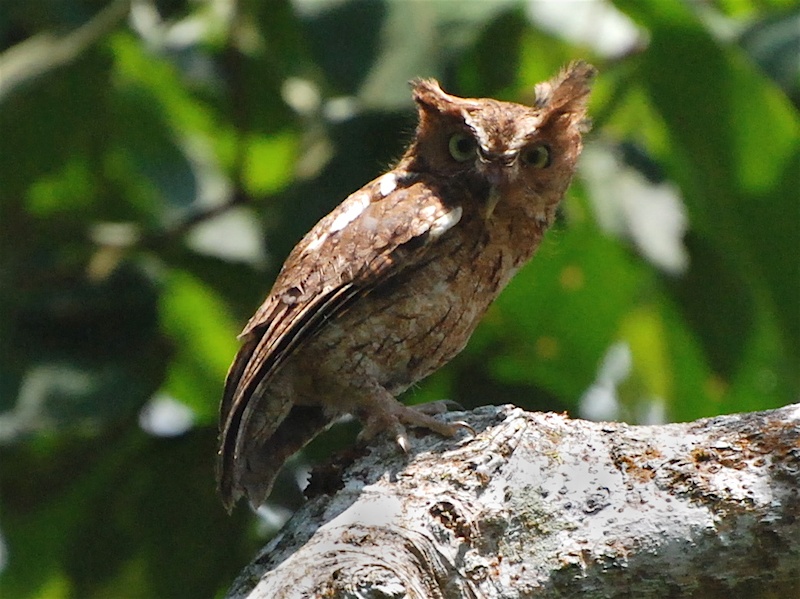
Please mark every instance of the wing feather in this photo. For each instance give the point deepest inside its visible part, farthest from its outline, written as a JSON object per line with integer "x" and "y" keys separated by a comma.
{"x": 327, "y": 271}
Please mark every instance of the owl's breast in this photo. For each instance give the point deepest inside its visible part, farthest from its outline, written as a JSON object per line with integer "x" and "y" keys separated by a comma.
{"x": 414, "y": 323}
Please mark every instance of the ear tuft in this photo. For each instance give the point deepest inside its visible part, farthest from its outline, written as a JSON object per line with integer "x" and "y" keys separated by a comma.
{"x": 568, "y": 92}
{"x": 425, "y": 86}
{"x": 429, "y": 96}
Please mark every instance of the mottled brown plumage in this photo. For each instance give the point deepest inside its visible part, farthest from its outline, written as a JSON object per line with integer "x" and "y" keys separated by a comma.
{"x": 390, "y": 285}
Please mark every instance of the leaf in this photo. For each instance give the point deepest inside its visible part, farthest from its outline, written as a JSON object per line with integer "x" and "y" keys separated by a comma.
{"x": 197, "y": 321}
{"x": 84, "y": 354}
{"x": 773, "y": 42}
{"x": 559, "y": 314}
{"x": 269, "y": 162}
{"x": 717, "y": 304}
{"x": 735, "y": 152}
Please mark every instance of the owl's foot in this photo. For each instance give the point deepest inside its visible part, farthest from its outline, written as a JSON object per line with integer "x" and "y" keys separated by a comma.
{"x": 440, "y": 406}
{"x": 390, "y": 415}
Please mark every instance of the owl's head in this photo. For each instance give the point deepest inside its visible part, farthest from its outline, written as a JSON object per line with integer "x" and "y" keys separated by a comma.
{"x": 507, "y": 152}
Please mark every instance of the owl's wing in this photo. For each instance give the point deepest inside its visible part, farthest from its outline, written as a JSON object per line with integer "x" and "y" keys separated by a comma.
{"x": 374, "y": 234}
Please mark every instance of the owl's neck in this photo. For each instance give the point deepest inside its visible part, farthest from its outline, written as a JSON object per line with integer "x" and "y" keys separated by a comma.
{"x": 514, "y": 233}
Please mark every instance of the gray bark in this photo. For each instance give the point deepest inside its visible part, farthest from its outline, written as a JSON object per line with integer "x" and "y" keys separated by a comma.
{"x": 538, "y": 505}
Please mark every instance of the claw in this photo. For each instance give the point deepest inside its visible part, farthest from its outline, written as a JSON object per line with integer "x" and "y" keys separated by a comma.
{"x": 462, "y": 424}
{"x": 402, "y": 441}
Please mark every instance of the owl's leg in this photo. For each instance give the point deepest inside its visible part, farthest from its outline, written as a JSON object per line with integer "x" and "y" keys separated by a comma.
{"x": 379, "y": 411}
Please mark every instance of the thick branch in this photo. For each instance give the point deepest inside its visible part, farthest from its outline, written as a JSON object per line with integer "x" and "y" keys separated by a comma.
{"x": 538, "y": 505}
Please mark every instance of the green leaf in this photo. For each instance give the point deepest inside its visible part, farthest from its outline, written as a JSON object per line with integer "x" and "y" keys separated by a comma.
{"x": 198, "y": 322}
{"x": 735, "y": 152}
{"x": 85, "y": 353}
{"x": 269, "y": 163}
{"x": 561, "y": 312}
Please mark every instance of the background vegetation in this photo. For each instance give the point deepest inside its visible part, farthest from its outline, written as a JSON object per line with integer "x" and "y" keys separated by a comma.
{"x": 158, "y": 161}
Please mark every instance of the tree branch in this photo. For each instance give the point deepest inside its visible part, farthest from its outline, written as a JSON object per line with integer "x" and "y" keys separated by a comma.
{"x": 538, "y": 505}
{"x": 44, "y": 52}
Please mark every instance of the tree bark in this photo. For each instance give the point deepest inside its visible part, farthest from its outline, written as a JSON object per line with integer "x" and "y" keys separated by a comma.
{"x": 539, "y": 505}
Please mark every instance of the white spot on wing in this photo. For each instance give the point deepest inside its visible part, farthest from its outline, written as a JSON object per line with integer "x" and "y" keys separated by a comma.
{"x": 350, "y": 212}
{"x": 446, "y": 222}
{"x": 317, "y": 243}
{"x": 388, "y": 184}
{"x": 427, "y": 212}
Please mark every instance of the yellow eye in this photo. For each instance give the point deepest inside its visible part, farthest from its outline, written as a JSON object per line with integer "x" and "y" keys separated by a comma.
{"x": 462, "y": 147}
{"x": 538, "y": 156}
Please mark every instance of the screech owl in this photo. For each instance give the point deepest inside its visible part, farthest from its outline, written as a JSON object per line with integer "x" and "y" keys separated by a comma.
{"x": 390, "y": 285}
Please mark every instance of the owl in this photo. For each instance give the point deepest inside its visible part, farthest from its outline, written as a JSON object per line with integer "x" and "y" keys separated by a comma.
{"x": 390, "y": 285}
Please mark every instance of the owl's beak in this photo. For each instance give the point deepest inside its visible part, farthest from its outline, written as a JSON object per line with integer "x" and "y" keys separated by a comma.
{"x": 491, "y": 202}
{"x": 497, "y": 173}
{"x": 496, "y": 168}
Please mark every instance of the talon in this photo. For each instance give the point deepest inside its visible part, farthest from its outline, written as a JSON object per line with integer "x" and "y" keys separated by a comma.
{"x": 402, "y": 441}
{"x": 462, "y": 424}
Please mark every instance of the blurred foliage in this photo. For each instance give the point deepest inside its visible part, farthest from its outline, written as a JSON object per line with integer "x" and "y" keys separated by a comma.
{"x": 159, "y": 159}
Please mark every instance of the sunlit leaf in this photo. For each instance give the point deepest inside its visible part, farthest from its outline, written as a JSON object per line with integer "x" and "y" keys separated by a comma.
{"x": 269, "y": 163}
{"x": 197, "y": 321}
{"x": 736, "y": 151}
